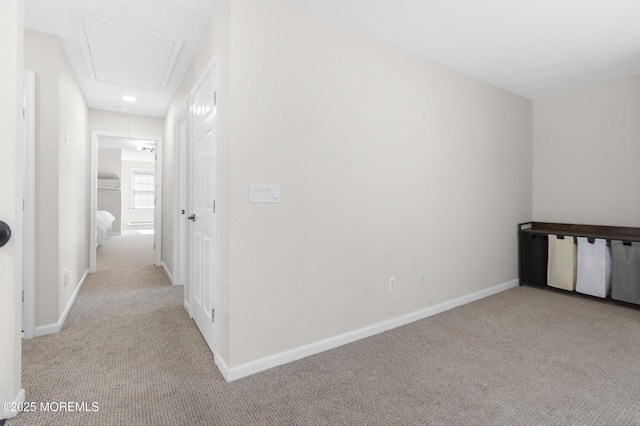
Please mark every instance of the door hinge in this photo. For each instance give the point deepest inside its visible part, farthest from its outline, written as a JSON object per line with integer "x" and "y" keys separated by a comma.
{"x": 23, "y": 295}
{"x": 154, "y": 246}
{"x": 214, "y": 206}
{"x": 215, "y": 98}
{"x": 213, "y": 314}
{"x": 182, "y": 211}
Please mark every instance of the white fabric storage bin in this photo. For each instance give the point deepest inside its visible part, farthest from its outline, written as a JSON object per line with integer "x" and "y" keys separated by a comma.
{"x": 561, "y": 271}
{"x": 594, "y": 267}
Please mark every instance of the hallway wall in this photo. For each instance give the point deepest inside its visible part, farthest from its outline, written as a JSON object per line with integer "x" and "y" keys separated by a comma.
{"x": 74, "y": 180}
{"x": 62, "y": 180}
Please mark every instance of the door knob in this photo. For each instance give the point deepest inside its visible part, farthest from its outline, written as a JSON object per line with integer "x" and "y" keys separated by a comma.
{"x": 192, "y": 218}
{"x": 5, "y": 233}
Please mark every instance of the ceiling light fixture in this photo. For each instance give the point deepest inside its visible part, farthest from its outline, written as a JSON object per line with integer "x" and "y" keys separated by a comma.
{"x": 146, "y": 149}
{"x": 128, "y": 98}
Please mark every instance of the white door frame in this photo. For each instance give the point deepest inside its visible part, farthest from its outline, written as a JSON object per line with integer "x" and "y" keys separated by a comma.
{"x": 93, "y": 199}
{"x": 180, "y": 206}
{"x": 29, "y": 197}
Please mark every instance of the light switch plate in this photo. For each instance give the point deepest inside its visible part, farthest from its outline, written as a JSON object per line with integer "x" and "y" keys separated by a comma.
{"x": 265, "y": 193}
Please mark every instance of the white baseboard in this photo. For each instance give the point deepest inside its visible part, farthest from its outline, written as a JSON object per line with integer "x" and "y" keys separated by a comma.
{"x": 223, "y": 367}
{"x": 167, "y": 273}
{"x": 44, "y": 330}
{"x": 187, "y": 307}
{"x": 249, "y": 368}
{"x": 19, "y": 399}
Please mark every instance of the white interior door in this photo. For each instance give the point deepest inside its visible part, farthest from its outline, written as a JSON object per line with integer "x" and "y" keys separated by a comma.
{"x": 202, "y": 200}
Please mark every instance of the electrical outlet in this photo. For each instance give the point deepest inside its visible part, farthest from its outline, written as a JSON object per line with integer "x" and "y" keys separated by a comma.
{"x": 392, "y": 284}
{"x": 423, "y": 278}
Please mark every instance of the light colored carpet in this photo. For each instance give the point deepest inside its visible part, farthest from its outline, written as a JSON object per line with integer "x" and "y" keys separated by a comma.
{"x": 526, "y": 356}
{"x": 128, "y": 250}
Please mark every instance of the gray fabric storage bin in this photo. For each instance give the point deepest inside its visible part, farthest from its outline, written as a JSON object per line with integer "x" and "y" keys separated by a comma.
{"x": 625, "y": 272}
{"x": 594, "y": 267}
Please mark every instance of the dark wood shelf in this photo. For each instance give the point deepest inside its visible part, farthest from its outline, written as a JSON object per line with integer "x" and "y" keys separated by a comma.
{"x": 588, "y": 231}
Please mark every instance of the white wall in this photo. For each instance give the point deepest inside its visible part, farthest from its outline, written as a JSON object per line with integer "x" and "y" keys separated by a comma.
{"x": 129, "y": 214}
{"x": 389, "y": 165}
{"x": 62, "y": 179}
{"x": 74, "y": 183}
{"x": 586, "y": 154}
{"x": 11, "y": 169}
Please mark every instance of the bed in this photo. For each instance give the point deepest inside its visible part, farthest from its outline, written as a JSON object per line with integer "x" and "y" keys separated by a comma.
{"x": 104, "y": 222}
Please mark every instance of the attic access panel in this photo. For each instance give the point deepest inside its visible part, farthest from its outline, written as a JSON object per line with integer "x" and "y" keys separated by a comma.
{"x": 125, "y": 55}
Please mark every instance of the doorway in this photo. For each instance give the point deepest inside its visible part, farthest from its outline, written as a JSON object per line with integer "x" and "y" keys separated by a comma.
{"x": 150, "y": 145}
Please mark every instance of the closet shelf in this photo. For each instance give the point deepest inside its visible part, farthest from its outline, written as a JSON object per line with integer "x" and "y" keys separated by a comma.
{"x": 108, "y": 183}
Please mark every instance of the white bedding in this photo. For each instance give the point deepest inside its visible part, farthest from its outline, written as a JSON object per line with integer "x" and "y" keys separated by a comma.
{"x": 104, "y": 222}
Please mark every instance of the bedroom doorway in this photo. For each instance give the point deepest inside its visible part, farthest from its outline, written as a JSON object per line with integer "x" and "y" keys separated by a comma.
{"x": 131, "y": 189}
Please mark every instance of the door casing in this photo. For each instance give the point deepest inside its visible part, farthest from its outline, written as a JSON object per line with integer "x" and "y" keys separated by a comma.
{"x": 93, "y": 199}
{"x": 29, "y": 197}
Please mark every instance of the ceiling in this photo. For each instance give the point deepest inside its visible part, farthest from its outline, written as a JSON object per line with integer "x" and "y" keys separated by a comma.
{"x": 140, "y": 48}
{"x": 533, "y": 48}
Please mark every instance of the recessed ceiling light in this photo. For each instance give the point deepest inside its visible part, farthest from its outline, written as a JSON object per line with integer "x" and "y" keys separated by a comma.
{"x": 128, "y": 98}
